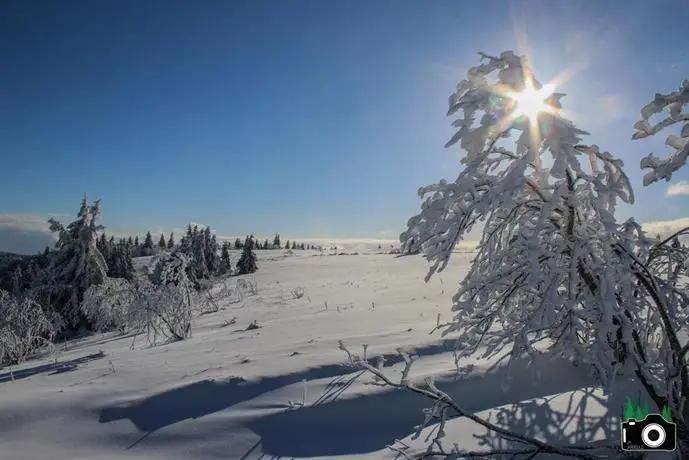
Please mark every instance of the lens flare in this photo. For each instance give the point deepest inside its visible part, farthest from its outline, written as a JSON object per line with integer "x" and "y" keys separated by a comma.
{"x": 530, "y": 102}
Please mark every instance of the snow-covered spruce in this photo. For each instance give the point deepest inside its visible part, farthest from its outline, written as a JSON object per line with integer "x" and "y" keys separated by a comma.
{"x": 247, "y": 261}
{"x": 75, "y": 265}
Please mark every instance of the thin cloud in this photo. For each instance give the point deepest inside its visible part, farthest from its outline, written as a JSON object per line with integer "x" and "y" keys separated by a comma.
{"x": 665, "y": 227}
{"x": 678, "y": 189}
{"x": 26, "y": 233}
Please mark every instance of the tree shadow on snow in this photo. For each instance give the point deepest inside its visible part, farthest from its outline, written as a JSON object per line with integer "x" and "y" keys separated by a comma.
{"x": 371, "y": 422}
{"x": 209, "y": 396}
{"x": 51, "y": 368}
{"x": 560, "y": 420}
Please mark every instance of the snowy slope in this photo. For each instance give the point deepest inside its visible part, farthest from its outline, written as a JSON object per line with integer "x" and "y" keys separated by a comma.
{"x": 226, "y": 392}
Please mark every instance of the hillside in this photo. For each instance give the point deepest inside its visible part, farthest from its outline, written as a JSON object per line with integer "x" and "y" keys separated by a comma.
{"x": 231, "y": 392}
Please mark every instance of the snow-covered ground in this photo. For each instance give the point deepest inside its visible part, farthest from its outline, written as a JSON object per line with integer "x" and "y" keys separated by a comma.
{"x": 228, "y": 392}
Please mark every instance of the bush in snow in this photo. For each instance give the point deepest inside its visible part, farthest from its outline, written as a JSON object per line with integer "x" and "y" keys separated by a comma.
{"x": 113, "y": 305}
{"x": 160, "y": 306}
{"x": 297, "y": 293}
{"x": 172, "y": 300}
{"x": 554, "y": 269}
{"x": 25, "y": 328}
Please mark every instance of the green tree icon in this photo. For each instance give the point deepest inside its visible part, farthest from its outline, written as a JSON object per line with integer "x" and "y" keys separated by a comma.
{"x": 635, "y": 410}
{"x": 667, "y": 414}
{"x": 629, "y": 410}
{"x": 641, "y": 411}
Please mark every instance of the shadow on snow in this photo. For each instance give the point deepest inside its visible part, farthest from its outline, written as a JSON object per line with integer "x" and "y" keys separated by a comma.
{"x": 209, "y": 396}
{"x": 368, "y": 423}
{"x": 371, "y": 422}
{"x": 52, "y": 368}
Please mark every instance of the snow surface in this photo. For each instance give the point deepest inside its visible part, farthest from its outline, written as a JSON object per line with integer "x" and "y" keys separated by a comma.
{"x": 233, "y": 393}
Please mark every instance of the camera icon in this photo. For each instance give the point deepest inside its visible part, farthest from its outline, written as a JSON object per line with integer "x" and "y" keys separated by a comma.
{"x": 651, "y": 433}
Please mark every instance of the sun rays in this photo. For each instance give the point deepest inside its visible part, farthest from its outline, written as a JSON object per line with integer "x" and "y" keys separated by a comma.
{"x": 530, "y": 102}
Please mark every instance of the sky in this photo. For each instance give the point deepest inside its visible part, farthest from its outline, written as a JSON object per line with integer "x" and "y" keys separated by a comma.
{"x": 310, "y": 118}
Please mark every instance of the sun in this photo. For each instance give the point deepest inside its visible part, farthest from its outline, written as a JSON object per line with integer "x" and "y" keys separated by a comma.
{"x": 530, "y": 102}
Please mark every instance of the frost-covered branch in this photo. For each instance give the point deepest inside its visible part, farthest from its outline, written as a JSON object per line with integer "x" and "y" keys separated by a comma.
{"x": 554, "y": 269}
{"x": 675, "y": 102}
{"x": 25, "y": 328}
{"x": 443, "y": 402}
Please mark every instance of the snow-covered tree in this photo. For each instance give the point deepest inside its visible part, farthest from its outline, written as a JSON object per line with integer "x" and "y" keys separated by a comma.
{"x": 174, "y": 300}
{"x": 211, "y": 251}
{"x": 160, "y": 306}
{"x": 161, "y": 242}
{"x": 661, "y": 325}
{"x": 113, "y": 305}
{"x": 25, "y": 328}
{"x": 554, "y": 270}
{"x": 77, "y": 263}
{"x": 675, "y": 103}
{"x": 247, "y": 261}
{"x": 147, "y": 247}
{"x": 171, "y": 241}
{"x": 276, "y": 242}
{"x": 225, "y": 262}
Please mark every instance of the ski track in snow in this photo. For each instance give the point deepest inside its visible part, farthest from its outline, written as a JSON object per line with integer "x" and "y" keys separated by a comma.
{"x": 225, "y": 393}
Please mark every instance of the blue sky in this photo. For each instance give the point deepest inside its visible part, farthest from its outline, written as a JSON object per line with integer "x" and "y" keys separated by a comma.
{"x": 310, "y": 118}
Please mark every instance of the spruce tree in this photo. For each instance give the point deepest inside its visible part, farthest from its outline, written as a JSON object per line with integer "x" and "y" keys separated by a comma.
{"x": 276, "y": 242}
{"x": 238, "y": 244}
{"x": 171, "y": 241}
{"x": 148, "y": 245}
{"x": 77, "y": 263}
{"x": 161, "y": 243}
{"x": 287, "y": 245}
{"x": 212, "y": 254}
{"x": 247, "y": 261}
{"x": 225, "y": 263}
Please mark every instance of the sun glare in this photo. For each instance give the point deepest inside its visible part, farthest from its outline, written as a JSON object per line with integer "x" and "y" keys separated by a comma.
{"x": 530, "y": 102}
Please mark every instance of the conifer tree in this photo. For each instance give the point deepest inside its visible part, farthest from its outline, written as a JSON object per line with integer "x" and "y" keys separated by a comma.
{"x": 276, "y": 242}
{"x": 161, "y": 243}
{"x": 225, "y": 263}
{"x": 238, "y": 244}
{"x": 211, "y": 245}
{"x": 171, "y": 241}
{"x": 247, "y": 261}
{"x": 77, "y": 263}
{"x": 147, "y": 247}
{"x": 287, "y": 245}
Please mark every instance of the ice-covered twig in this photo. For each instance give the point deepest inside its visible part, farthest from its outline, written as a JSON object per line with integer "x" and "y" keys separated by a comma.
{"x": 443, "y": 400}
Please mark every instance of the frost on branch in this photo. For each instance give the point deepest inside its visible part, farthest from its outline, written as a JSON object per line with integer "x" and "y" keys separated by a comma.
{"x": 675, "y": 102}
{"x": 554, "y": 269}
{"x": 161, "y": 306}
{"x": 547, "y": 235}
{"x": 113, "y": 305}
{"x": 25, "y": 328}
